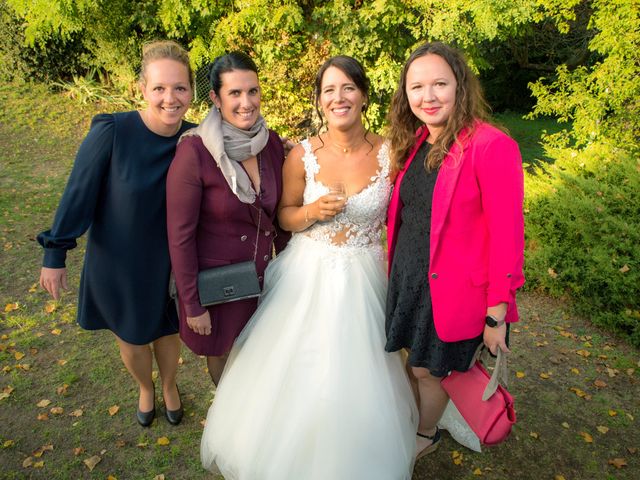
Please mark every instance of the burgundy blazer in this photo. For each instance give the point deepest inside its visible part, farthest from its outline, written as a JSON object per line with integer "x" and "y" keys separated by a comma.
{"x": 208, "y": 226}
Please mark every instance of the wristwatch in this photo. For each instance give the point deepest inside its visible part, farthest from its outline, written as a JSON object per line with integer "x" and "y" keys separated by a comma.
{"x": 493, "y": 322}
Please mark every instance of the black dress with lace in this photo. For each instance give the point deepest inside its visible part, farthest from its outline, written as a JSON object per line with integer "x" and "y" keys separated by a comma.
{"x": 409, "y": 316}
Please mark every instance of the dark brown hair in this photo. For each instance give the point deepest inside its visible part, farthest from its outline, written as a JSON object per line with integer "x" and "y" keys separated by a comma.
{"x": 469, "y": 106}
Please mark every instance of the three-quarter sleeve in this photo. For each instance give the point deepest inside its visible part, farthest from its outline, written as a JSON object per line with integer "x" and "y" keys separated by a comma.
{"x": 77, "y": 206}
{"x": 184, "y": 195}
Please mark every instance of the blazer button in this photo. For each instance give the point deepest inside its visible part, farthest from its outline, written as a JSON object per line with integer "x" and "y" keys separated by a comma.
{"x": 260, "y": 278}
{"x": 243, "y": 238}
{"x": 266, "y": 234}
{"x": 434, "y": 275}
{"x": 508, "y": 275}
{"x": 266, "y": 258}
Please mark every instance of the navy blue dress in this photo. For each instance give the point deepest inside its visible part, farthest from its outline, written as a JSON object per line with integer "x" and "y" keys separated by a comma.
{"x": 117, "y": 190}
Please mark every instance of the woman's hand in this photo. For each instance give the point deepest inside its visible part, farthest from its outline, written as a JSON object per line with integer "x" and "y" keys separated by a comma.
{"x": 200, "y": 324}
{"x": 495, "y": 337}
{"x": 326, "y": 207}
{"x": 53, "y": 279}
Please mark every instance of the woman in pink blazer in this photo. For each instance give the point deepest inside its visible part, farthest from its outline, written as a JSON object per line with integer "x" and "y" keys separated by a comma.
{"x": 455, "y": 227}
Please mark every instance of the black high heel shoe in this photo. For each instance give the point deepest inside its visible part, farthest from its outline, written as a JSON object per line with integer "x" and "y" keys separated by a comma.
{"x": 146, "y": 418}
{"x": 174, "y": 417}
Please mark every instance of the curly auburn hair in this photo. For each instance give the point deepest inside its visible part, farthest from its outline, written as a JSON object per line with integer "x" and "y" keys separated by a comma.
{"x": 469, "y": 107}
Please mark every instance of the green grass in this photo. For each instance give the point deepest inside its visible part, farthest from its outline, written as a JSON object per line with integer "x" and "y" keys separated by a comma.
{"x": 39, "y": 133}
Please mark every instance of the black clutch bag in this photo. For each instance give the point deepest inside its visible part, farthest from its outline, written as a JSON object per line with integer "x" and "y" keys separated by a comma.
{"x": 228, "y": 283}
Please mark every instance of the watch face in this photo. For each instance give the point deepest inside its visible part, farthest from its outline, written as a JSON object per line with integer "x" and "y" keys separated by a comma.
{"x": 490, "y": 321}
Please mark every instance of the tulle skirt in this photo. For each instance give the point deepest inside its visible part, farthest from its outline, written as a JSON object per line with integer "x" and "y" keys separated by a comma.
{"x": 309, "y": 392}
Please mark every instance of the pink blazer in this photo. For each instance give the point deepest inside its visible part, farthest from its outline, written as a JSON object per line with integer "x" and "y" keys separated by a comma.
{"x": 477, "y": 230}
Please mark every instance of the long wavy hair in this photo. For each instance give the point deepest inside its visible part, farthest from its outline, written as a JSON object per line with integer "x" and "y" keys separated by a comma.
{"x": 469, "y": 107}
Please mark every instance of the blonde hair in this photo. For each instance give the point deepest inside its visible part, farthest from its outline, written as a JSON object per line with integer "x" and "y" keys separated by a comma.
{"x": 164, "y": 49}
{"x": 469, "y": 107}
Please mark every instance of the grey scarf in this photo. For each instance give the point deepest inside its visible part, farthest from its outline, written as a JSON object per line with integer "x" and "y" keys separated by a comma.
{"x": 229, "y": 145}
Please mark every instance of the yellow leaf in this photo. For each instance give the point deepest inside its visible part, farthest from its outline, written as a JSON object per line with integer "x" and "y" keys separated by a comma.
{"x": 163, "y": 441}
{"x": 4, "y": 395}
{"x": 91, "y": 462}
{"x": 113, "y": 410}
{"x": 50, "y": 307}
{"x": 142, "y": 444}
{"x": 78, "y": 451}
{"x": 76, "y": 413}
{"x": 43, "y": 403}
{"x": 534, "y": 434}
{"x": 565, "y": 424}
{"x": 8, "y": 443}
{"x": 559, "y": 477}
{"x": 6, "y": 369}
{"x": 552, "y": 273}
{"x": 33, "y": 288}
{"x": 154, "y": 375}
{"x": 477, "y": 471}
{"x": 618, "y": 462}
{"x": 120, "y": 443}
{"x": 111, "y": 477}
{"x": 578, "y": 392}
{"x": 57, "y": 411}
{"x": 624, "y": 268}
{"x": 23, "y": 366}
{"x": 33, "y": 351}
{"x": 587, "y": 438}
{"x": 10, "y": 307}
{"x": 583, "y": 353}
{"x": 56, "y": 331}
{"x": 43, "y": 416}
{"x": 602, "y": 429}
{"x": 600, "y": 384}
{"x": 612, "y": 413}
{"x": 520, "y": 374}
{"x": 27, "y": 462}
{"x": 159, "y": 477}
{"x": 62, "y": 390}
{"x": 544, "y": 375}
{"x": 18, "y": 355}
{"x": 576, "y": 371}
{"x": 630, "y": 371}
{"x": 62, "y": 362}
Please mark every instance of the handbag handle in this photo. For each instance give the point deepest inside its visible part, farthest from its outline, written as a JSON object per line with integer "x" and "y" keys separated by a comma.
{"x": 498, "y": 376}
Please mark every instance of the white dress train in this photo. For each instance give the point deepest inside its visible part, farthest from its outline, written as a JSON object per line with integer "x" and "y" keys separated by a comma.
{"x": 309, "y": 392}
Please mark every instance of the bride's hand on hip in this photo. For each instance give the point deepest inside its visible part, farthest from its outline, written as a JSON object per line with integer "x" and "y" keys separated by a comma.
{"x": 200, "y": 324}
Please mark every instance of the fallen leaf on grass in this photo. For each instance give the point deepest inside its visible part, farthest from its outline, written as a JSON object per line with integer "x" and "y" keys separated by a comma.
{"x": 587, "y": 438}
{"x": 57, "y": 410}
{"x": 18, "y": 355}
{"x": 545, "y": 375}
{"x": 33, "y": 351}
{"x": 91, "y": 462}
{"x": 113, "y": 410}
{"x": 457, "y": 457}
{"x": 62, "y": 362}
{"x": 62, "y": 390}
{"x": 154, "y": 375}
{"x": 163, "y": 441}
{"x": 8, "y": 443}
{"x": 120, "y": 443}
{"x": 618, "y": 462}
{"x": 50, "y": 307}
{"x": 612, "y": 372}
{"x": 578, "y": 392}
{"x": 56, "y": 331}
{"x": 76, "y": 413}
{"x": 6, "y": 369}
{"x": 534, "y": 434}
{"x": 565, "y": 424}
{"x": 78, "y": 451}
{"x": 632, "y": 450}
{"x": 520, "y": 374}
{"x": 43, "y": 403}
{"x": 45, "y": 448}
{"x": 602, "y": 429}
{"x": 23, "y": 366}
{"x": 477, "y": 471}
{"x": 159, "y": 477}
{"x": 576, "y": 371}
{"x": 43, "y": 416}
{"x": 612, "y": 413}
{"x": 559, "y": 477}
{"x": 10, "y": 307}
{"x": 624, "y": 269}
{"x": 111, "y": 477}
{"x": 600, "y": 384}
{"x": 583, "y": 353}
{"x": 33, "y": 288}
{"x": 27, "y": 462}
{"x": 552, "y": 273}
{"x": 143, "y": 445}
{"x": 630, "y": 371}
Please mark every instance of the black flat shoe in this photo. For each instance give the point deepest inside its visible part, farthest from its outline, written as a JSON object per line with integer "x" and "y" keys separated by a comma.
{"x": 146, "y": 418}
{"x": 174, "y": 417}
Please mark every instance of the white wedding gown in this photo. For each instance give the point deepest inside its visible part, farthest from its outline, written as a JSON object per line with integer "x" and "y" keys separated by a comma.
{"x": 309, "y": 392}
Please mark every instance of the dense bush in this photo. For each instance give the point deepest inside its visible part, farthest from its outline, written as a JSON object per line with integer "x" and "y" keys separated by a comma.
{"x": 583, "y": 233}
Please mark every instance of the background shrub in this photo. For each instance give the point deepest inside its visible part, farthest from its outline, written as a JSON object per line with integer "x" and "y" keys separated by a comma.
{"x": 583, "y": 233}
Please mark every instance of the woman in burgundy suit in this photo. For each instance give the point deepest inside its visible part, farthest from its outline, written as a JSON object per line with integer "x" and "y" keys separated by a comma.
{"x": 225, "y": 171}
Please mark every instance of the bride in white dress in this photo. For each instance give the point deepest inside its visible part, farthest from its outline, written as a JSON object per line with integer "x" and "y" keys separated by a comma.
{"x": 309, "y": 392}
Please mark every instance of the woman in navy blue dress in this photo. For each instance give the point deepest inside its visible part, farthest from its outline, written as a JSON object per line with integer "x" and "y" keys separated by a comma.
{"x": 117, "y": 190}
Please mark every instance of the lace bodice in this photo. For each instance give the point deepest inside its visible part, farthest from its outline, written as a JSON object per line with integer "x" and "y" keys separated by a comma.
{"x": 360, "y": 224}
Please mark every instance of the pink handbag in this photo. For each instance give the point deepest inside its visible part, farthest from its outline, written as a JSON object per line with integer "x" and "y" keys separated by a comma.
{"x": 485, "y": 404}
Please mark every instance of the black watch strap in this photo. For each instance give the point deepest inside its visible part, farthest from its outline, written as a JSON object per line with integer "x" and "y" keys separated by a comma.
{"x": 493, "y": 322}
